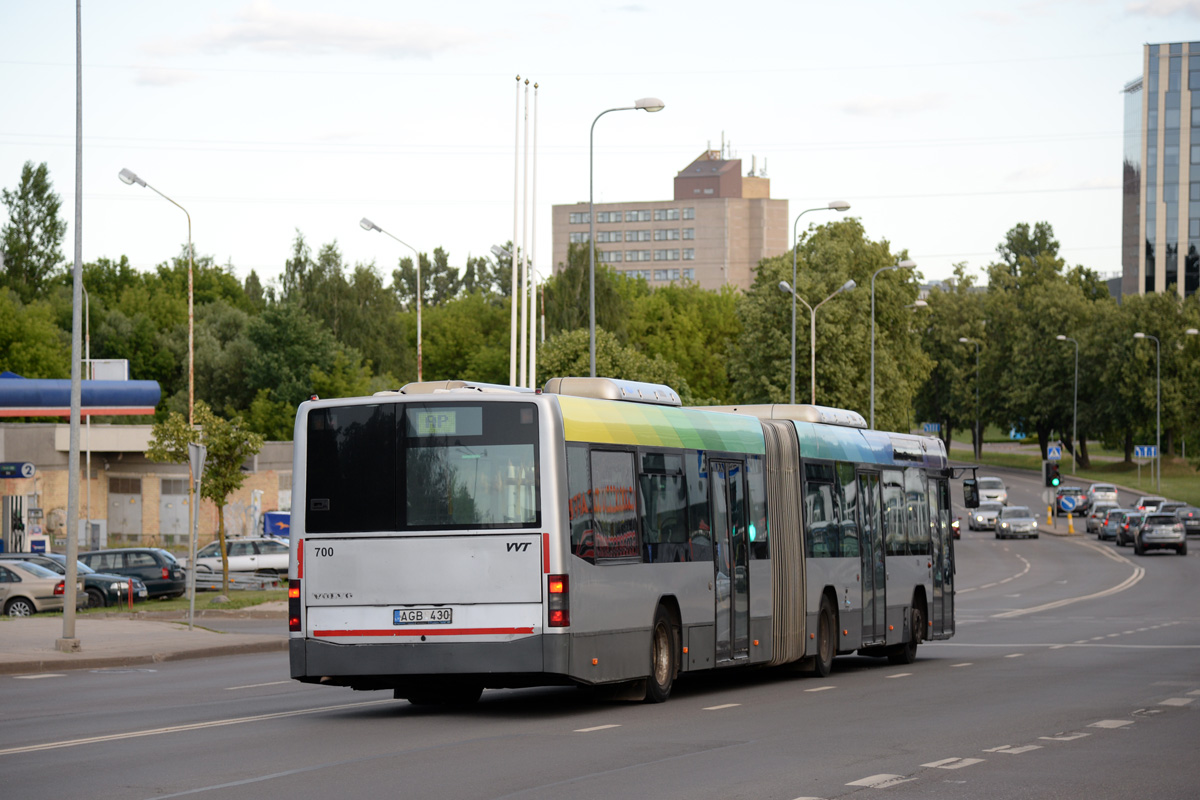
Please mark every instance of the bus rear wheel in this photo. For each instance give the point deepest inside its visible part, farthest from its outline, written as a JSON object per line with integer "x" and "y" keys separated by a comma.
{"x": 662, "y": 658}
{"x": 907, "y": 653}
{"x": 823, "y": 662}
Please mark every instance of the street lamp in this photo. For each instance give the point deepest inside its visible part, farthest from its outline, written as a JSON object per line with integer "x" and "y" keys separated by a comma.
{"x": 650, "y": 104}
{"x": 833, "y": 205}
{"x": 978, "y": 443}
{"x": 367, "y": 225}
{"x": 812, "y": 327}
{"x": 130, "y": 178}
{"x": 905, "y": 264}
{"x": 1074, "y": 405}
{"x": 1158, "y": 406}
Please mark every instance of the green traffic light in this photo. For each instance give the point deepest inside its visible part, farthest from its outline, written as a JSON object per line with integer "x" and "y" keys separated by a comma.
{"x": 1055, "y": 481}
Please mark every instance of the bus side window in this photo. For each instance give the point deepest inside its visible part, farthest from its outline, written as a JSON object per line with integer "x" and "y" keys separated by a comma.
{"x": 614, "y": 506}
{"x": 895, "y": 513}
{"x": 848, "y": 485}
{"x": 579, "y": 507}
{"x": 699, "y": 524}
{"x": 759, "y": 532}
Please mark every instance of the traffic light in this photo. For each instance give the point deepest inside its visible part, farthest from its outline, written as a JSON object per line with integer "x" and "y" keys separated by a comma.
{"x": 1050, "y": 476}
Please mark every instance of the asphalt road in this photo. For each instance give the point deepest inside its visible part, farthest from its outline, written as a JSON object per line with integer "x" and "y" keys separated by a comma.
{"x": 1075, "y": 673}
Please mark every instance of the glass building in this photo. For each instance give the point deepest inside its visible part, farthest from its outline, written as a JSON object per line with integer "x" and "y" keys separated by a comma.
{"x": 1161, "y": 176}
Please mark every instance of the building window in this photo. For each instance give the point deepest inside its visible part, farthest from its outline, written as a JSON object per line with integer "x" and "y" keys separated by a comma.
{"x": 689, "y": 254}
{"x": 660, "y": 274}
{"x": 689, "y": 233}
{"x": 666, "y": 234}
{"x": 708, "y": 191}
{"x": 638, "y": 273}
{"x": 637, "y": 236}
{"x": 637, "y": 255}
{"x": 608, "y": 216}
{"x": 1196, "y": 154}
{"x": 695, "y": 191}
{"x": 689, "y": 213}
{"x": 666, "y": 255}
{"x": 1196, "y": 112}
{"x": 582, "y": 236}
{"x": 672, "y": 213}
{"x": 608, "y": 256}
{"x": 580, "y": 218}
{"x": 690, "y": 274}
{"x": 1194, "y": 228}
{"x": 660, "y": 214}
{"x": 637, "y": 216}
{"x": 607, "y": 236}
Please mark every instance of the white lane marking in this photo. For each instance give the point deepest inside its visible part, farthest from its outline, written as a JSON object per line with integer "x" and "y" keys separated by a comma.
{"x": 1111, "y": 723}
{"x": 256, "y": 685}
{"x": 1013, "y": 577}
{"x": 898, "y": 675}
{"x": 1014, "y": 655}
{"x": 1176, "y": 701}
{"x": 964, "y": 664}
{"x": 953, "y": 763}
{"x": 39, "y": 676}
{"x": 1111, "y": 646}
{"x": 1194, "y": 692}
{"x": 1113, "y": 635}
{"x": 880, "y": 781}
{"x": 1012, "y": 751}
{"x": 718, "y": 708}
{"x": 1069, "y": 738}
{"x": 597, "y": 728}
{"x": 216, "y": 723}
{"x": 821, "y": 689}
{"x": 1132, "y": 580}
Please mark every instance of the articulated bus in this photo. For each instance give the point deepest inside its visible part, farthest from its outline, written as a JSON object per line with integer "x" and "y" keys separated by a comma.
{"x": 451, "y": 537}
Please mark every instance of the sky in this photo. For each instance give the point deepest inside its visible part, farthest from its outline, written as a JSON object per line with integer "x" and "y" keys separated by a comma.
{"x": 943, "y": 124}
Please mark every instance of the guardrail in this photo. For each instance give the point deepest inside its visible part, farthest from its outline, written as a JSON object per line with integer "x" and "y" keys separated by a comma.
{"x": 212, "y": 581}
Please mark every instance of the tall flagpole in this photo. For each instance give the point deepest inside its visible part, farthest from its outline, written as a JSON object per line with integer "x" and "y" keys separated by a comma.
{"x": 512, "y": 339}
{"x": 533, "y": 281}
{"x": 524, "y": 288}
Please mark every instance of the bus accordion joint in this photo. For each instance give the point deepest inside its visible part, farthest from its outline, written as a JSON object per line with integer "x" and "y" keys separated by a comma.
{"x": 559, "y": 597}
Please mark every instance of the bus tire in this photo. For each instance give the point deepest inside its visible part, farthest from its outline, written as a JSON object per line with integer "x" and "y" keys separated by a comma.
{"x": 663, "y": 658}
{"x": 907, "y": 653}
{"x": 826, "y": 633}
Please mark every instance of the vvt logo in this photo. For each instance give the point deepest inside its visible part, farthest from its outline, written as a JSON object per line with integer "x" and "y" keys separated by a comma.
{"x": 521, "y": 546}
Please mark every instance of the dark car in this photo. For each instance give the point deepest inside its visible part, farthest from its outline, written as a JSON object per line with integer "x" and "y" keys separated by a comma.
{"x": 102, "y": 589}
{"x": 1076, "y": 494}
{"x": 1127, "y": 529}
{"x": 1190, "y": 517}
{"x": 154, "y": 566}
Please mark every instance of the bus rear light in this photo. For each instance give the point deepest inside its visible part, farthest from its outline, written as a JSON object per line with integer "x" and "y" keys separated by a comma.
{"x": 558, "y": 601}
{"x": 294, "y": 606}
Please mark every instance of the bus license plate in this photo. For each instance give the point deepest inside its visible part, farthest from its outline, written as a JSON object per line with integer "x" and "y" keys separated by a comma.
{"x": 422, "y": 616}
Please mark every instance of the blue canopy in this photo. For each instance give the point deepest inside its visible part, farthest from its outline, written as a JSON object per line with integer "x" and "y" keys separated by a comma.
{"x": 23, "y": 397}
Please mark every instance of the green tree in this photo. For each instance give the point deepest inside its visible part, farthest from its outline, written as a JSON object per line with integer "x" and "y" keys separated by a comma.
{"x": 31, "y": 344}
{"x": 567, "y": 354}
{"x": 32, "y": 237}
{"x": 567, "y": 296}
{"x": 468, "y": 339}
{"x": 948, "y": 394}
{"x": 229, "y": 444}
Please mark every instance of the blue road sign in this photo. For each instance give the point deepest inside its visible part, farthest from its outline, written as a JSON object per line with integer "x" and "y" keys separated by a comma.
{"x": 1067, "y": 502}
{"x": 1016, "y": 434}
{"x": 932, "y": 427}
{"x": 1145, "y": 451}
{"x": 1054, "y": 454}
{"x": 16, "y": 469}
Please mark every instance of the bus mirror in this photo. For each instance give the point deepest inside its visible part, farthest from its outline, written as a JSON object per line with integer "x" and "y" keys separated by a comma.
{"x": 971, "y": 493}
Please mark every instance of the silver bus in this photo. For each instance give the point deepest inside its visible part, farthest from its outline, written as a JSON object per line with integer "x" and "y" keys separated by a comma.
{"x": 452, "y": 537}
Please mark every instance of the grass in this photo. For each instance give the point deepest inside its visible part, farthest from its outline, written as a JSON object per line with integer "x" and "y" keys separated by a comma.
{"x": 1180, "y": 481}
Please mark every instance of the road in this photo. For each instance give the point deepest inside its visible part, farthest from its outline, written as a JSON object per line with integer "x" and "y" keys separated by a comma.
{"x": 1075, "y": 673}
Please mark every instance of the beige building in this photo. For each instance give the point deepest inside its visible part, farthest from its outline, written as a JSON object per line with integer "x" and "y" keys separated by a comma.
{"x": 717, "y": 228}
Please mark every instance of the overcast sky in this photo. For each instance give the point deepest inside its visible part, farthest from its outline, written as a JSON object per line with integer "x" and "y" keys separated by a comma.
{"x": 942, "y": 123}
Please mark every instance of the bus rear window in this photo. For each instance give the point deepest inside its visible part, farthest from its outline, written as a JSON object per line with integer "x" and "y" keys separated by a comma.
{"x": 422, "y": 466}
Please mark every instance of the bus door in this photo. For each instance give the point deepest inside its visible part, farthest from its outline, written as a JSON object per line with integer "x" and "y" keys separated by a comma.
{"x": 943, "y": 563}
{"x": 874, "y": 571}
{"x": 731, "y": 553}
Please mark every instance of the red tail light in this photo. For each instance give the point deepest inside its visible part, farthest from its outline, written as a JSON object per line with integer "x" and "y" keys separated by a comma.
{"x": 60, "y": 588}
{"x": 166, "y": 573}
{"x": 294, "y": 606}
{"x": 558, "y": 596}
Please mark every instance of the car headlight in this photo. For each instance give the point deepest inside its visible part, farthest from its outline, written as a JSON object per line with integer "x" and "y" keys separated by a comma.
{"x": 979, "y": 517}
{"x": 1003, "y": 524}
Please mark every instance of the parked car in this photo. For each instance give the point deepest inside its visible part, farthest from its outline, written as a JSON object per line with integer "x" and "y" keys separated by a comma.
{"x": 1102, "y": 493}
{"x": 101, "y": 589}
{"x": 245, "y": 555}
{"x": 27, "y": 589}
{"x": 1016, "y": 521}
{"x": 1096, "y": 515}
{"x": 1149, "y": 502}
{"x": 1190, "y": 517}
{"x": 1076, "y": 494}
{"x": 1160, "y": 532}
{"x": 154, "y": 566}
{"x": 984, "y": 517}
{"x": 993, "y": 489}
{"x": 1128, "y": 527}
{"x": 1113, "y": 522}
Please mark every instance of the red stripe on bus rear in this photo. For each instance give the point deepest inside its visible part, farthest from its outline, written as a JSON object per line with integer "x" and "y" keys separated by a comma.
{"x": 300, "y": 559}
{"x": 546, "y": 553}
{"x": 425, "y": 632}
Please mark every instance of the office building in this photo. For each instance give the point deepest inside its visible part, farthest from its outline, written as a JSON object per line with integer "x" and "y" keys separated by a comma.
{"x": 1160, "y": 230}
{"x": 714, "y": 231}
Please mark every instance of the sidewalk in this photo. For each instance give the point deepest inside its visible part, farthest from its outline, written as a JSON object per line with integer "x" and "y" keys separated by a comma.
{"x": 28, "y": 645}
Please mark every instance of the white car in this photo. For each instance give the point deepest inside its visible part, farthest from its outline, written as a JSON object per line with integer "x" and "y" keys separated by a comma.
{"x": 993, "y": 489}
{"x": 245, "y": 555}
{"x": 1101, "y": 493}
{"x": 984, "y": 517}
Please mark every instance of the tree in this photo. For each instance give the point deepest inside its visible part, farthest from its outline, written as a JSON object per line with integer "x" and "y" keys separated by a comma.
{"x": 31, "y": 345}
{"x": 568, "y": 354}
{"x": 567, "y": 296}
{"x": 32, "y": 237}
{"x": 229, "y": 444}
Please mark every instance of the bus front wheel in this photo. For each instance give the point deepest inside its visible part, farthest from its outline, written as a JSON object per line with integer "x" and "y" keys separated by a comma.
{"x": 662, "y": 658}
{"x": 826, "y": 634}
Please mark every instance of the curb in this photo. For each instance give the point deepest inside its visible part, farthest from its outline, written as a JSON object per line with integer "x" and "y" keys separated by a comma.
{"x": 67, "y": 661}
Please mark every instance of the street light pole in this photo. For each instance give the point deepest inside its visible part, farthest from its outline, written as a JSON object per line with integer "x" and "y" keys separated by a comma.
{"x": 1158, "y": 406}
{"x": 978, "y": 437}
{"x": 1074, "y": 406}
{"x": 650, "y": 104}
{"x": 833, "y": 205}
{"x": 130, "y": 178}
{"x": 367, "y": 225}
{"x": 812, "y": 327}
{"x": 905, "y": 264}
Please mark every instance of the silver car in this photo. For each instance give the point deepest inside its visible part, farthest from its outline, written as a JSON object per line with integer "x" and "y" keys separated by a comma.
{"x": 993, "y": 489}
{"x": 984, "y": 517}
{"x": 1158, "y": 532}
{"x": 1096, "y": 515}
{"x": 1016, "y": 521}
{"x": 1102, "y": 493}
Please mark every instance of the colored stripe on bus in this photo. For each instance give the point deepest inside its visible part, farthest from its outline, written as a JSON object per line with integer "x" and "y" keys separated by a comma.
{"x": 606, "y": 422}
{"x": 545, "y": 553}
{"x": 425, "y": 632}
